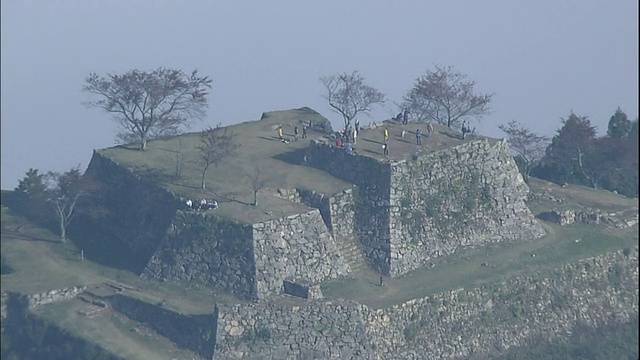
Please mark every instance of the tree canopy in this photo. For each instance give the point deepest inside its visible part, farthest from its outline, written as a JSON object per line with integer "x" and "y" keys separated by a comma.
{"x": 528, "y": 146}
{"x": 576, "y": 155}
{"x": 619, "y": 126}
{"x": 151, "y": 104}
{"x": 446, "y": 97}
{"x": 348, "y": 95}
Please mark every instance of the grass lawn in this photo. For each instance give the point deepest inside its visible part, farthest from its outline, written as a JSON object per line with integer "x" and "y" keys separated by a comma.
{"x": 41, "y": 263}
{"x": 174, "y": 162}
{"x": 228, "y": 183}
{"x": 112, "y": 331}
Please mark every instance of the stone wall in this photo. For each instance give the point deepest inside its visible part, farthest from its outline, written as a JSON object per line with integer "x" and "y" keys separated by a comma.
{"x": 247, "y": 260}
{"x": 468, "y": 195}
{"x": 296, "y": 247}
{"x": 140, "y": 212}
{"x": 318, "y": 201}
{"x": 337, "y": 210}
{"x": 410, "y": 211}
{"x": 341, "y": 208}
{"x": 457, "y": 324}
{"x": 466, "y": 323}
{"x": 370, "y": 198}
{"x": 39, "y": 299}
{"x": 316, "y": 330}
{"x": 205, "y": 249}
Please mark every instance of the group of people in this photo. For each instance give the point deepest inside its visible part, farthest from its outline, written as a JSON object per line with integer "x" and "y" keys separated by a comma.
{"x": 350, "y": 134}
{"x": 402, "y": 117}
{"x": 296, "y": 132}
{"x": 201, "y": 205}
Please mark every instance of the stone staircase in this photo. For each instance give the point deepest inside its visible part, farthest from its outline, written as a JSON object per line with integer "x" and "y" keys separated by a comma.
{"x": 352, "y": 253}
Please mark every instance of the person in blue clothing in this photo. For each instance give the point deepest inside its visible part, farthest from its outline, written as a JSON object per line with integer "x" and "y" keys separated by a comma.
{"x": 418, "y": 137}
{"x": 348, "y": 148}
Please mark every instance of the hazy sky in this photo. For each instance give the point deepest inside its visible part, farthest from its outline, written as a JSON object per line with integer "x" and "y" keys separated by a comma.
{"x": 541, "y": 58}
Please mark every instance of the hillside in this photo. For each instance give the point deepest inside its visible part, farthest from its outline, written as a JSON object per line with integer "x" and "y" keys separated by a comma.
{"x": 344, "y": 255}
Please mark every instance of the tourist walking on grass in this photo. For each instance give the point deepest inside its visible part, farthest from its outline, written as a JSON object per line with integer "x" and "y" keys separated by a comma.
{"x": 304, "y": 131}
{"x": 418, "y": 137}
{"x": 295, "y": 133}
{"x": 386, "y": 134}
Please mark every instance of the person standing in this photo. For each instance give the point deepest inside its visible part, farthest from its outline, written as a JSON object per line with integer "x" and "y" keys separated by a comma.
{"x": 355, "y": 134}
{"x": 386, "y": 134}
{"x": 429, "y": 129}
{"x": 418, "y": 137}
{"x": 295, "y": 133}
{"x": 280, "y": 132}
{"x": 304, "y": 131}
{"x": 357, "y": 124}
{"x": 465, "y": 129}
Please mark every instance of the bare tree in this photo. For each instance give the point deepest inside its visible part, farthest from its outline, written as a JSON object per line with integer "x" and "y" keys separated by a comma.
{"x": 258, "y": 182}
{"x": 147, "y": 105}
{"x": 217, "y": 144}
{"x": 64, "y": 191}
{"x": 527, "y": 145}
{"x": 348, "y": 95}
{"x": 446, "y": 97}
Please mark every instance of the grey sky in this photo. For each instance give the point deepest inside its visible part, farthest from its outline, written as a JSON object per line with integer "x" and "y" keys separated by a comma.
{"x": 541, "y": 58}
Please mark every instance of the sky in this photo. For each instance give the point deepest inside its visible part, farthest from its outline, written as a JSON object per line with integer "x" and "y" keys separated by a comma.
{"x": 542, "y": 59}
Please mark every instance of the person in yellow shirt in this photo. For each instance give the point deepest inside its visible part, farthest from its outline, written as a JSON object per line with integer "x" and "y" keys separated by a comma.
{"x": 386, "y": 134}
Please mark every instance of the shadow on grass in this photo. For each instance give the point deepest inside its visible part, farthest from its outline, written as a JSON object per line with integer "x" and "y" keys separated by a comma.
{"x": 457, "y": 137}
{"x": 221, "y": 197}
{"x": 102, "y": 247}
{"x": 269, "y": 138}
{"x": 404, "y": 140}
{"x": 373, "y": 141}
{"x": 16, "y": 234}
{"x": 372, "y": 152}
{"x": 295, "y": 157}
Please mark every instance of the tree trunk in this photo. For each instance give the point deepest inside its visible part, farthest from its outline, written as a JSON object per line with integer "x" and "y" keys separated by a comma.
{"x": 143, "y": 144}
{"x": 63, "y": 230}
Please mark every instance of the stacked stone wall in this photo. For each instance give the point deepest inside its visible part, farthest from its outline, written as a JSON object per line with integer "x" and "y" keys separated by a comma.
{"x": 341, "y": 208}
{"x": 468, "y": 195}
{"x": 337, "y": 210}
{"x": 318, "y": 201}
{"x": 316, "y": 330}
{"x": 465, "y": 324}
{"x": 298, "y": 248}
{"x": 459, "y": 324}
{"x": 370, "y": 198}
{"x": 140, "y": 212}
{"x": 205, "y": 249}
